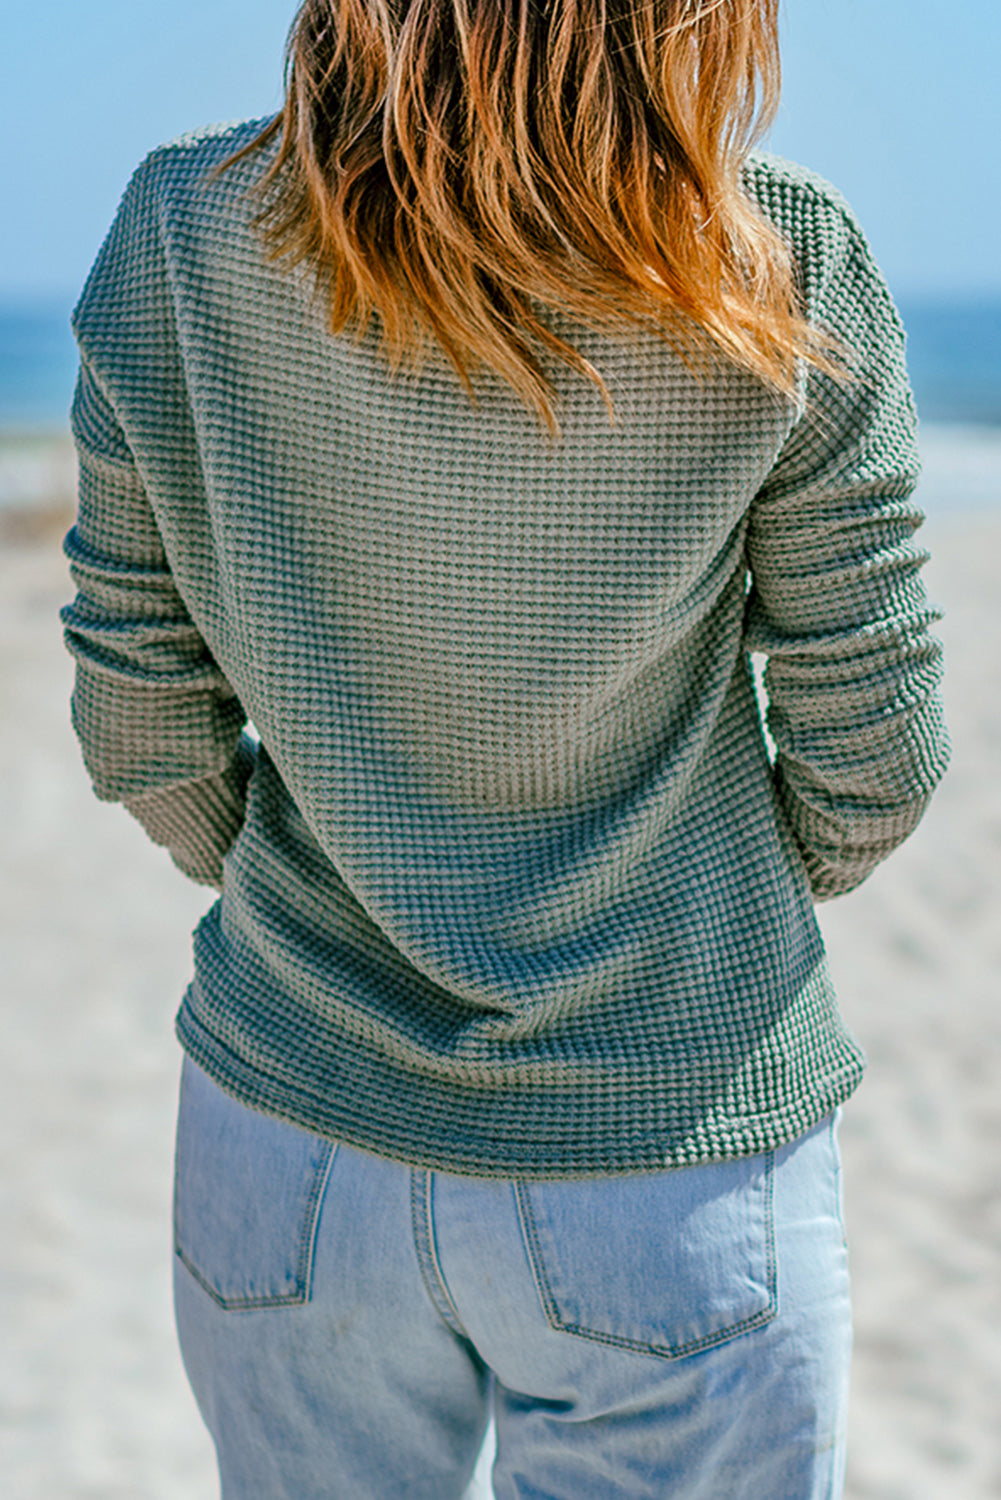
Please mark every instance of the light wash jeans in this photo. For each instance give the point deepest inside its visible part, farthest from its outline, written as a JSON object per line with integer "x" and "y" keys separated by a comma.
{"x": 349, "y": 1324}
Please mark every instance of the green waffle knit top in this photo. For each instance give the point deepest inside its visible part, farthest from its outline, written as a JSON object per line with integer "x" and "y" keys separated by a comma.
{"x": 512, "y": 882}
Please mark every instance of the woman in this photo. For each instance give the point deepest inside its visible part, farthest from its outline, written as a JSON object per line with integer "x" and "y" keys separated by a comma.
{"x": 465, "y": 429}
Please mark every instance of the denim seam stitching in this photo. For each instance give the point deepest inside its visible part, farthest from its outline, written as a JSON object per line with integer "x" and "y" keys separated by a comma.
{"x": 839, "y": 1210}
{"x": 427, "y": 1254}
{"x": 307, "y": 1246}
{"x": 317, "y": 1194}
{"x": 662, "y": 1351}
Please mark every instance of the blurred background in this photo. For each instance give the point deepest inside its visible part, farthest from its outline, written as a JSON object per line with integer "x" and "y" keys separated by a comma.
{"x": 898, "y": 102}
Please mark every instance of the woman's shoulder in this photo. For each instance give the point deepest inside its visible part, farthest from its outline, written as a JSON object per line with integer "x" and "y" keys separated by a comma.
{"x": 177, "y": 210}
{"x": 827, "y": 241}
{"x": 190, "y": 161}
{"x": 787, "y": 192}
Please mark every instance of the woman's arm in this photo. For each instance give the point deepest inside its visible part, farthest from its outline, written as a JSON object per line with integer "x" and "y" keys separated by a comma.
{"x": 837, "y": 603}
{"x": 159, "y": 725}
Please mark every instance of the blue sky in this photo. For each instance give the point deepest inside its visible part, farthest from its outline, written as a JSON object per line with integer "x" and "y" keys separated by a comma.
{"x": 897, "y": 101}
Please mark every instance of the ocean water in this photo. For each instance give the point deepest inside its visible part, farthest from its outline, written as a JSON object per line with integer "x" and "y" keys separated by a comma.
{"x": 954, "y": 357}
{"x": 37, "y": 366}
{"x": 954, "y": 353}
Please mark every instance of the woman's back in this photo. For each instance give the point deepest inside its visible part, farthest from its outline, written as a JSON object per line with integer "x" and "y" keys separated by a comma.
{"x": 516, "y": 890}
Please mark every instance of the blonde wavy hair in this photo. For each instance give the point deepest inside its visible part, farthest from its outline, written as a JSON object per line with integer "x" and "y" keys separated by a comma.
{"x": 457, "y": 166}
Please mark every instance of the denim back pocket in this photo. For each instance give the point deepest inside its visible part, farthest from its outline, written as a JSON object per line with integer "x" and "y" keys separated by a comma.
{"x": 247, "y": 1196}
{"x": 664, "y": 1263}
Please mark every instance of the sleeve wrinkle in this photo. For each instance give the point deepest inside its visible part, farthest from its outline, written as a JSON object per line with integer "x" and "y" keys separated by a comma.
{"x": 837, "y": 603}
{"x": 159, "y": 724}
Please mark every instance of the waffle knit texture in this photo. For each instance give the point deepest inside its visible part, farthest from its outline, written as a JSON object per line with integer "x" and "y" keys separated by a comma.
{"x": 511, "y": 884}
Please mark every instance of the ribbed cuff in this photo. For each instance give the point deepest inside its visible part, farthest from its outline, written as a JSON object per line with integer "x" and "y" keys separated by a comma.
{"x": 839, "y": 857}
{"x": 198, "y": 821}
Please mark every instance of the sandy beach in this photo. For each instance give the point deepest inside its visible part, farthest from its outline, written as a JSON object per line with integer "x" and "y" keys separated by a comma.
{"x": 94, "y": 954}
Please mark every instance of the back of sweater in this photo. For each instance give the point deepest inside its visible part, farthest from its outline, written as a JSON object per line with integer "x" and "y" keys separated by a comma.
{"x": 509, "y": 885}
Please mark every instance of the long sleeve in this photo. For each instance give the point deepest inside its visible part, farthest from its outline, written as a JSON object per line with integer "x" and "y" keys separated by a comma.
{"x": 837, "y": 602}
{"x": 158, "y": 723}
